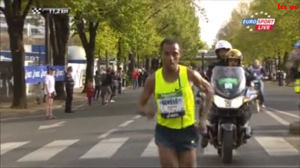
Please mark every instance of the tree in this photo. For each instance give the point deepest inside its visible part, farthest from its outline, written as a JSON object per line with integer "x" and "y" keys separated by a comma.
{"x": 59, "y": 26}
{"x": 15, "y": 12}
{"x": 258, "y": 44}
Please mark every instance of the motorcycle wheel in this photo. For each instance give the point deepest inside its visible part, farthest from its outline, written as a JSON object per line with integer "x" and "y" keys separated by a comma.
{"x": 227, "y": 147}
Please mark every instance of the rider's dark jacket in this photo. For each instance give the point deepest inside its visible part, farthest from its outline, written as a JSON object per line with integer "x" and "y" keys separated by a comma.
{"x": 249, "y": 76}
{"x": 211, "y": 67}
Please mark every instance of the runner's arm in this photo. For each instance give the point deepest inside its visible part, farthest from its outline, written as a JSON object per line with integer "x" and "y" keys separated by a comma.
{"x": 204, "y": 86}
{"x": 146, "y": 94}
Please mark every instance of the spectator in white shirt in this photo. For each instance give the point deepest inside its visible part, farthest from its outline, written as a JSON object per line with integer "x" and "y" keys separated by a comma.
{"x": 50, "y": 93}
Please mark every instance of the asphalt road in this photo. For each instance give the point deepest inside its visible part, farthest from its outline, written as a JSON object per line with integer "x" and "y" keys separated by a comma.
{"x": 114, "y": 136}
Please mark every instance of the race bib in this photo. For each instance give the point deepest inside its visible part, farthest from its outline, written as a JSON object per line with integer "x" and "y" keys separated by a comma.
{"x": 171, "y": 105}
{"x": 228, "y": 86}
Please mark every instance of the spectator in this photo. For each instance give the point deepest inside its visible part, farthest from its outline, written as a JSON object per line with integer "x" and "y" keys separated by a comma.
{"x": 145, "y": 76}
{"x": 106, "y": 88}
{"x": 119, "y": 78}
{"x": 140, "y": 78}
{"x": 97, "y": 79}
{"x": 113, "y": 86}
{"x": 135, "y": 76}
{"x": 50, "y": 93}
{"x": 69, "y": 87}
{"x": 90, "y": 92}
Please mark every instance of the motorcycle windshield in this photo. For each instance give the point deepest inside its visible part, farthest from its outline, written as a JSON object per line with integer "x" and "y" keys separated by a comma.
{"x": 228, "y": 82}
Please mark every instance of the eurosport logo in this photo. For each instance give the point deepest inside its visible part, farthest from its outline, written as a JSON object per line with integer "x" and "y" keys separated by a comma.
{"x": 263, "y": 23}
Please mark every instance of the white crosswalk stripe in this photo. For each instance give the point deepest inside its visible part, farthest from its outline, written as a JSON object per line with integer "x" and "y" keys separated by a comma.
{"x": 151, "y": 150}
{"x": 104, "y": 149}
{"x": 276, "y": 146}
{"x": 109, "y": 147}
{"x": 48, "y": 151}
{"x": 6, "y": 147}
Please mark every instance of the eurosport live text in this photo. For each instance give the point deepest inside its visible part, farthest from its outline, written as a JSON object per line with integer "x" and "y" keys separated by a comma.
{"x": 261, "y": 24}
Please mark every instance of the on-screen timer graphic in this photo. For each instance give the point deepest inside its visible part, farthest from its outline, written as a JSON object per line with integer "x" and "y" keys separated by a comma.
{"x": 54, "y": 11}
{"x": 261, "y": 20}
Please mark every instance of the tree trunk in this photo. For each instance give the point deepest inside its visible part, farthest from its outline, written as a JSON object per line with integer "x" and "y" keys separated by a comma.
{"x": 15, "y": 31}
{"x": 59, "y": 27}
{"x": 89, "y": 48}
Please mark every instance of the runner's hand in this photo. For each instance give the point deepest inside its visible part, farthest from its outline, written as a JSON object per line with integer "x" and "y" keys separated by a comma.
{"x": 202, "y": 128}
{"x": 149, "y": 113}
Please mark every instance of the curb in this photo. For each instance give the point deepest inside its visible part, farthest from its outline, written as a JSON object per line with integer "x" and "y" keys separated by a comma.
{"x": 37, "y": 112}
{"x": 294, "y": 128}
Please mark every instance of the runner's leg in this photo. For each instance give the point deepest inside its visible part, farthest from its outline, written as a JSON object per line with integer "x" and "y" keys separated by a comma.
{"x": 168, "y": 157}
{"x": 164, "y": 138}
{"x": 188, "y": 159}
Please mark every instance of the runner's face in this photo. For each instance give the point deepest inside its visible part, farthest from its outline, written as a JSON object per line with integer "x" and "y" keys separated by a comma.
{"x": 233, "y": 62}
{"x": 222, "y": 52}
{"x": 171, "y": 55}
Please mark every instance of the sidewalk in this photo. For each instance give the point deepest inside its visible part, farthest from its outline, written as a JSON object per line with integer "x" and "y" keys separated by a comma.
{"x": 35, "y": 109}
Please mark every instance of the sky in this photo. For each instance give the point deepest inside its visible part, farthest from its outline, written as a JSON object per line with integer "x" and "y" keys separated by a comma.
{"x": 217, "y": 11}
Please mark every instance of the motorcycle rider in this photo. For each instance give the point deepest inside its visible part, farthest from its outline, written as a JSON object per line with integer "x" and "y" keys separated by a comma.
{"x": 260, "y": 73}
{"x": 294, "y": 62}
{"x": 234, "y": 57}
{"x": 222, "y": 47}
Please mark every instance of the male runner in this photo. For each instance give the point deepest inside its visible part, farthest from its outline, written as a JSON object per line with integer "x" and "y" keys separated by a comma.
{"x": 175, "y": 133}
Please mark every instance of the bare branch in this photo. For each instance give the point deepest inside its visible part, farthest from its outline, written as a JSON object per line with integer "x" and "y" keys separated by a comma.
{"x": 26, "y": 10}
{"x": 155, "y": 13}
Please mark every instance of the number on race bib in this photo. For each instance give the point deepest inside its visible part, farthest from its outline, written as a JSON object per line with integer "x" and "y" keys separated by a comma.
{"x": 228, "y": 86}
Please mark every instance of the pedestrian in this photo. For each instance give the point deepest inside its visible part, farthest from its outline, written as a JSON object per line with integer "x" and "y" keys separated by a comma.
{"x": 97, "y": 79}
{"x": 140, "y": 77}
{"x": 50, "y": 93}
{"x": 69, "y": 87}
{"x": 106, "y": 88}
{"x": 119, "y": 79}
{"x": 114, "y": 86}
{"x": 90, "y": 90}
{"x": 135, "y": 76}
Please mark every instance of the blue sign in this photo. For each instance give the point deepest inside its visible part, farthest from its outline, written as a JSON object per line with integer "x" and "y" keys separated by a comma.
{"x": 29, "y": 56}
{"x": 59, "y": 73}
{"x": 38, "y": 48}
{"x": 35, "y": 74}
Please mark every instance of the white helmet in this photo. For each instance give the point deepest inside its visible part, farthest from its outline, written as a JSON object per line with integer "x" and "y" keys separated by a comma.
{"x": 223, "y": 44}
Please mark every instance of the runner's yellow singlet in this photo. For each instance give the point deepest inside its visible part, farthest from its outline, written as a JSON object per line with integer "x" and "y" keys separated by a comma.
{"x": 175, "y": 101}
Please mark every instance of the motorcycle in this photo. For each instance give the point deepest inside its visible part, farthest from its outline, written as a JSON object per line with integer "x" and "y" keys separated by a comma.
{"x": 256, "y": 85}
{"x": 232, "y": 102}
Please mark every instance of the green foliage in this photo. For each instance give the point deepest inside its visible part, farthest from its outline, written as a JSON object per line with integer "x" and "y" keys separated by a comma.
{"x": 140, "y": 24}
{"x": 261, "y": 44}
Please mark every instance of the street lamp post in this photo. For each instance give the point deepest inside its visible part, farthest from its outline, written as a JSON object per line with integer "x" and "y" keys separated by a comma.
{"x": 202, "y": 52}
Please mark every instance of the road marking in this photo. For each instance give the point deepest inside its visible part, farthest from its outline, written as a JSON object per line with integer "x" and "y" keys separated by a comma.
{"x": 277, "y": 118}
{"x": 59, "y": 124}
{"x": 104, "y": 149}
{"x": 38, "y": 115}
{"x": 80, "y": 105}
{"x": 211, "y": 150}
{"x": 285, "y": 113}
{"x": 270, "y": 131}
{"x": 48, "y": 151}
{"x": 104, "y": 135}
{"x": 276, "y": 146}
{"x": 151, "y": 150}
{"x": 6, "y": 147}
{"x": 136, "y": 117}
{"x": 126, "y": 123}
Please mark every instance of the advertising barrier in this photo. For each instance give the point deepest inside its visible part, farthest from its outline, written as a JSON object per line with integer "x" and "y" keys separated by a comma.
{"x": 36, "y": 74}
